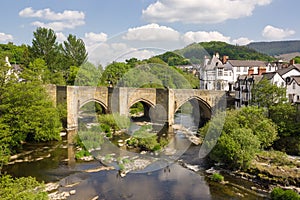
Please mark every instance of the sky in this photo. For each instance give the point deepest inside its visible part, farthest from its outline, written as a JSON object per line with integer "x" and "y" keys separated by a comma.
{"x": 115, "y": 30}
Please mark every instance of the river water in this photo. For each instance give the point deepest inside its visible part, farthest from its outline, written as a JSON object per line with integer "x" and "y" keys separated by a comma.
{"x": 53, "y": 162}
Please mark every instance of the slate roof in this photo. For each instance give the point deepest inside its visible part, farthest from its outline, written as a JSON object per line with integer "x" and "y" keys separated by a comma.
{"x": 287, "y": 69}
{"x": 269, "y": 75}
{"x": 247, "y": 63}
{"x": 297, "y": 79}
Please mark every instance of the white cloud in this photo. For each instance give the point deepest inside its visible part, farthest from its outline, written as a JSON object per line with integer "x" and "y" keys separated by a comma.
{"x": 5, "y": 37}
{"x": 92, "y": 38}
{"x": 241, "y": 41}
{"x": 68, "y": 19}
{"x": 202, "y": 36}
{"x": 50, "y": 15}
{"x": 200, "y": 11}
{"x": 60, "y": 37}
{"x": 59, "y": 25}
{"x": 152, "y": 32}
{"x": 273, "y": 33}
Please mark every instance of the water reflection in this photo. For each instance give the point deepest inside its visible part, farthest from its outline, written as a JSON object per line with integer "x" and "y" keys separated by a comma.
{"x": 174, "y": 182}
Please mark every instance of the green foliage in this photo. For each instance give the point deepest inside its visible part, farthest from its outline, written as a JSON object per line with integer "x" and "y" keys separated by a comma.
{"x": 113, "y": 73}
{"x": 82, "y": 153}
{"x": 86, "y": 75}
{"x": 244, "y": 133}
{"x": 114, "y": 121}
{"x": 280, "y": 194}
{"x": 90, "y": 139}
{"x": 173, "y": 59}
{"x": 136, "y": 108}
{"x": 217, "y": 177}
{"x": 21, "y": 188}
{"x": 29, "y": 113}
{"x": 44, "y": 46}
{"x": 297, "y": 59}
{"x": 285, "y": 116}
{"x": 16, "y": 54}
{"x": 74, "y": 51}
{"x": 265, "y": 94}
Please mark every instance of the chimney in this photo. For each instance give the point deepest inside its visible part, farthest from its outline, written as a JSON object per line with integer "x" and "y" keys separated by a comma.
{"x": 261, "y": 70}
{"x": 250, "y": 71}
{"x": 225, "y": 58}
{"x": 292, "y": 62}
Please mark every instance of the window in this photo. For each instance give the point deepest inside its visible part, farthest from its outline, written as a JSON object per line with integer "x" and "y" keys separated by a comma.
{"x": 294, "y": 86}
{"x": 245, "y": 69}
{"x": 298, "y": 97}
{"x": 220, "y": 72}
{"x": 238, "y": 69}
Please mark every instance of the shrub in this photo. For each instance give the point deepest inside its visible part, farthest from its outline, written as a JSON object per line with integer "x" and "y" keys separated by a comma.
{"x": 21, "y": 188}
{"x": 217, "y": 177}
{"x": 280, "y": 194}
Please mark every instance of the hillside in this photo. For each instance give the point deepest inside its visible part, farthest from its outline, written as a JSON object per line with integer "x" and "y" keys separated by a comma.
{"x": 196, "y": 52}
{"x": 277, "y": 47}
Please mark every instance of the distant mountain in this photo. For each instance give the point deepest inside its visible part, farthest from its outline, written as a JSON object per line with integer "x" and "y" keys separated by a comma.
{"x": 196, "y": 52}
{"x": 277, "y": 47}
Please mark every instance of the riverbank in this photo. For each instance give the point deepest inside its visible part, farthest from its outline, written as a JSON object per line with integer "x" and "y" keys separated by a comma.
{"x": 269, "y": 169}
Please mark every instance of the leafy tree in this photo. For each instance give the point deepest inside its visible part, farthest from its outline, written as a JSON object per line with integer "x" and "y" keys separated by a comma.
{"x": 44, "y": 46}
{"x": 86, "y": 75}
{"x": 21, "y": 188}
{"x": 26, "y": 112}
{"x": 244, "y": 132}
{"x": 74, "y": 51}
{"x": 113, "y": 73}
{"x": 265, "y": 94}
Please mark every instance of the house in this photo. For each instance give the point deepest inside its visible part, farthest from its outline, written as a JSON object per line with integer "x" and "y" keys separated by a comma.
{"x": 243, "y": 87}
{"x": 214, "y": 75}
{"x": 241, "y": 67}
{"x": 293, "y": 89}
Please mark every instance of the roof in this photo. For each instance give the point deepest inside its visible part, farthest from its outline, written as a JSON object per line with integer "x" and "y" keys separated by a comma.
{"x": 255, "y": 77}
{"x": 269, "y": 75}
{"x": 296, "y": 78}
{"x": 287, "y": 69}
{"x": 247, "y": 63}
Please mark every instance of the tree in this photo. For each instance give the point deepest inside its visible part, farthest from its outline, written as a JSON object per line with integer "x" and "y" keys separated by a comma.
{"x": 113, "y": 73}
{"x": 44, "y": 46}
{"x": 86, "y": 75}
{"x": 265, "y": 94}
{"x": 74, "y": 51}
{"x": 26, "y": 112}
{"x": 244, "y": 132}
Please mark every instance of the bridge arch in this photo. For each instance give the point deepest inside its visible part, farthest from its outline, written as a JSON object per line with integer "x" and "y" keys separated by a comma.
{"x": 201, "y": 110}
{"x": 147, "y": 105}
{"x": 103, "y": 106}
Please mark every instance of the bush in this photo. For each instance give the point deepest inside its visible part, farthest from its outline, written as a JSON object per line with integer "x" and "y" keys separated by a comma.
{"x": 236, "y": 136}
{"x": 280, "y": 194}
{"x": 21, "y": 188}
{"x": 217, "y": 177}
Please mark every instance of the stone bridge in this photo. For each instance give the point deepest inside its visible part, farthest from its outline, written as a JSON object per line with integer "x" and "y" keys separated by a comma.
{"x": 159, "y": 104}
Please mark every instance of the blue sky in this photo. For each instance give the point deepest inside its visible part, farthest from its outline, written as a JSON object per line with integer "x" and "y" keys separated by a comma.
{"x": 117, "y": 29}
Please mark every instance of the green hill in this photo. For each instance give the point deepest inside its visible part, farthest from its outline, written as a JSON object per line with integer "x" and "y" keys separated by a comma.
{"x": 196, "y": 52}
{"x": 276, "y": 47}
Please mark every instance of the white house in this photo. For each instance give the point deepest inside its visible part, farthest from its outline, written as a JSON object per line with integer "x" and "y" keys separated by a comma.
{"x": 293, "y": 89}
{"x": 214, "y": 75}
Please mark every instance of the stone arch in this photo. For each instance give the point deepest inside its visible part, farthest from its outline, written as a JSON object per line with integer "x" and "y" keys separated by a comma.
{"x": 104, "y": 107}
{"x": 146, "y": 104}
{"x": 202, "y": 109}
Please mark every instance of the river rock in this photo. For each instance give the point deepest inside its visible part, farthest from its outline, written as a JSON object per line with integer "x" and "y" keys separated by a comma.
{"x": 72, "y": 192}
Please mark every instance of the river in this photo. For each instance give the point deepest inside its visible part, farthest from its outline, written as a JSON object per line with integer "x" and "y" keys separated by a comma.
{"x": 53, "y": 162}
